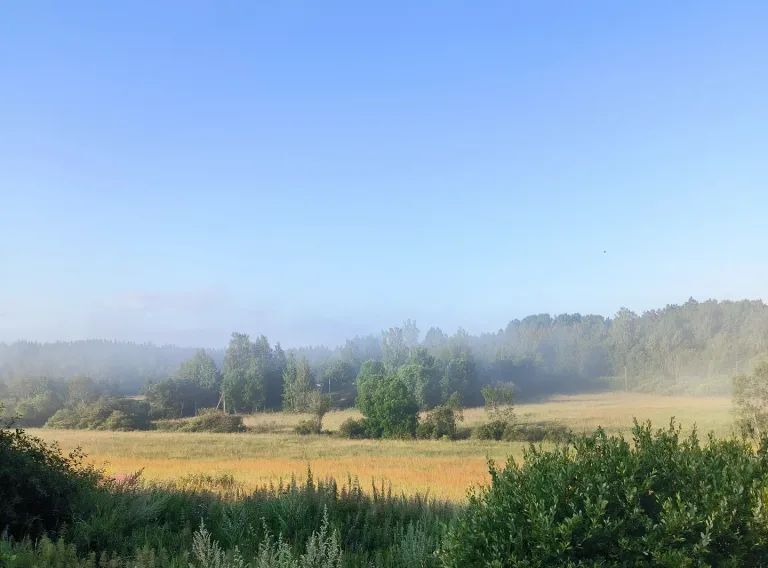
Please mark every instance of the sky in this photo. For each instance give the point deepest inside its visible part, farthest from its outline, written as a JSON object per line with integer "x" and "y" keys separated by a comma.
{"x": 175, "y": 171}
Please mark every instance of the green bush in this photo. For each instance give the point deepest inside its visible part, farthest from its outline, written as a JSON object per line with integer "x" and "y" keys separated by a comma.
{"x": 354, "y": 428}
{"x": 41, "y": 488}
{"x": 103, "y": 414}
{"x": 537, "y": 432}
{"x": 306, "y": 427}
{"x": 658, "y": 500}
{"x": 491, "y": 430}
{"x": 208, "y": 420}
{"x": 439, "y": 423}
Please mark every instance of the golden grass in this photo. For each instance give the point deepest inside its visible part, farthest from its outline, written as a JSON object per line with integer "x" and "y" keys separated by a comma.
{"x": 442, "y": 468}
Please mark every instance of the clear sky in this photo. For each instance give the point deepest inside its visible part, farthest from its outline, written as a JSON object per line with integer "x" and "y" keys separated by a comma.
{"x": 174, "y": 171}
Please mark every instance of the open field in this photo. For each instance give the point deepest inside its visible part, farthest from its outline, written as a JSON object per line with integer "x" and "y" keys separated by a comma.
{"x": 442, "y": 468}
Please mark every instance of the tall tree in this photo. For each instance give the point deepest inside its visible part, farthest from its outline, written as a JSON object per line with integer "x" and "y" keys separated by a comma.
{"x": 338, "y": 374}
{"x": 422, "y": 375}
{"x": 395, "y": 348}
{"x": 82, "y": 389}
{"x": 386, "y": 401}
{"x": 200, "y": 370}
{"x": 298, "y": 384}
{"x": 242, "y": 375}
{"x": 273, "y": 395}
{"x": 461, "y": 378}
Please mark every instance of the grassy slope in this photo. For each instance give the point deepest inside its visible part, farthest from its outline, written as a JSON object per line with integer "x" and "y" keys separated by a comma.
{"x": 443, "y": 468}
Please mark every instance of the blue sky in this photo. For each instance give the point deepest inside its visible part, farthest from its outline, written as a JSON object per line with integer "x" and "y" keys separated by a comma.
{"x": 171, "y": 172}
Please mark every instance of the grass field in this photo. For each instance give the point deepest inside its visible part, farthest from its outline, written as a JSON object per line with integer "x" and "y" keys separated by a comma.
{"x": 444, "y": 469}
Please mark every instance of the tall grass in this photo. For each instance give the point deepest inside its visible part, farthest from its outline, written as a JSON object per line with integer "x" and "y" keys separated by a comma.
{"x": 295, "y": 521}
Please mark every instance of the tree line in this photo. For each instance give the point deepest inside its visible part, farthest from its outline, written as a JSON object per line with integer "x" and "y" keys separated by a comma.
{"x": 693, "y": 347}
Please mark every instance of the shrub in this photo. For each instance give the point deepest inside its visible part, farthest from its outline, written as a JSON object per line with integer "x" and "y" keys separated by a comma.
{"x": 659, "y": 500}
{"x": 492, "y": 430}
{"x": 440, "y": 423}
{"x": 103, "y": 414}
{"x": 40, "y": 487}
{"x": 354, "y": 428}
{"x": 207, "y": 420}
{"x": 306, "y": 427}
{"x": 499, "y": 401}
{"x": 319, "y": 405}
{"x": 537, "y": 432}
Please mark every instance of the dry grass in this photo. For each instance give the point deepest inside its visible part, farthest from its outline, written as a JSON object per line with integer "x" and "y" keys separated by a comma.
{"x": 444, "y": 469}
{"x": 615, "y": 411}
{"x": 284, "y": 422}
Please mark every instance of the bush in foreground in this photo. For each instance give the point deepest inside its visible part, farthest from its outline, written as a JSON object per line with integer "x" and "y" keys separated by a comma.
{"x": 41, "y": 489}
{"x": 659, "y": 500}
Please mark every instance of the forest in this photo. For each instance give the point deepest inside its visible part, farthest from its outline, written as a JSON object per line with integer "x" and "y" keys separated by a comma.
{"x": 695, "y": 347}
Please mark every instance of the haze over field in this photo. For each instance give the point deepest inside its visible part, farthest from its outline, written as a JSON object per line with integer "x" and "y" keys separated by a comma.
{"x": 396, "y": 284}
{"x": 317, "y": 172}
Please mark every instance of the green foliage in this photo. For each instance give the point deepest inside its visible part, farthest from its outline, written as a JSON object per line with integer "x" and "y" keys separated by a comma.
{"x": 492, "y": 430}
{"x": 177, "y": 398}
{"x": 537, "y": 432}
{"x": 317, "y": 523}
{"x": 750, "y": 395}
{"x": 306, "y": 427}
{"x": 273, "y": 378}
{"x": 386, "y": 401}
{"x": 460, "y": 377}
{"x": 41, "y": 489}
{"x": 396, "y": 344}
{"x": 37, "y": 409}
{"x": 501, "y": 429}
{"x": 318, "y": 405}
{"x": 244, "y": 373}
{"x": 371, "y": 373}
{"x": 693, "y": 347}
{"x": 103, "y": 414}
{"x": 81, "y": 389}
{"x": 207, "y": 420}
{"x": 338, "y": 375}
{"x": 499, "y": 400}
{"x": 499, "y": 403}
{"x": 659, "y": 500}
{"x": 422, "y": 376}
{"x": 298, "y": 385}
{"x": 441, "y": 422}
{"x": 200, "y": 370}
{"x": 355, "y": 429}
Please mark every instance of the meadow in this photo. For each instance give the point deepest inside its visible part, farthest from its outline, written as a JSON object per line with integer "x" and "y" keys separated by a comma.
{"x": 271, "y": 452}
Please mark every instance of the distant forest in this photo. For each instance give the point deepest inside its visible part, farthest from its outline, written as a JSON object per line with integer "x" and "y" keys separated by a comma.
{"x": 696, "y": 347}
